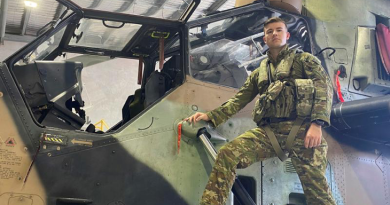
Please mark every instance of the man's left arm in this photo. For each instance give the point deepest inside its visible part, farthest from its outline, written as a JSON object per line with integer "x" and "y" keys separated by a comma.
{"x": 323, "y": 97}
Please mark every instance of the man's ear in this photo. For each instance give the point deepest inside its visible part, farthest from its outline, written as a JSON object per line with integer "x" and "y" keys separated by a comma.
{"x": 288, "y": 35}
{"x": 264, "y": 39}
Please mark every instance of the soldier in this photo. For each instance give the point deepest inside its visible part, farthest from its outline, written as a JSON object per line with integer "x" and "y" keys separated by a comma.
{"x": 295, "y": 102}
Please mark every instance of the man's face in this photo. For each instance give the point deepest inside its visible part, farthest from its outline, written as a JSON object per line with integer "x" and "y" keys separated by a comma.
{"x": 276, "y": 35}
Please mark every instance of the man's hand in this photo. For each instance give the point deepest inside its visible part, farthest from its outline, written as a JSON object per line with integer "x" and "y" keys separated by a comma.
{"x": 313, "y": 136}
{"x": 197, "y": 117}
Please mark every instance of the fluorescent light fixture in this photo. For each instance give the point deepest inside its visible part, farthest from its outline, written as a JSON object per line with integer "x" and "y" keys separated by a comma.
{"x": 30, "y": 4}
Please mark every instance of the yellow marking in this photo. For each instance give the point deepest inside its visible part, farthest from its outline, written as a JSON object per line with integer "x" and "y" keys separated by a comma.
{"x": 54, "y": 139}
{"x": 99, "y": 125}
{"x": 81, "y": 142}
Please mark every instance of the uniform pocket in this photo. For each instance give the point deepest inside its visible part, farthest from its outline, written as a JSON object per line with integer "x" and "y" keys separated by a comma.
{"x": 311, "y": 156}
{"x": 261, "y": 108}
{"x": 305, "y": 96}
{"x": 285, "y": 103}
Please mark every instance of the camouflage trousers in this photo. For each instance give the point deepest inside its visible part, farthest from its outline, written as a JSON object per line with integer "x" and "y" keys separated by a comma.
{"x": 253, "y": 146}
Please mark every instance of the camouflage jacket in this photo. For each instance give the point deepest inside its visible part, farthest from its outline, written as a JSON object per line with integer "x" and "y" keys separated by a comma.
{"x": 304, "y": 66}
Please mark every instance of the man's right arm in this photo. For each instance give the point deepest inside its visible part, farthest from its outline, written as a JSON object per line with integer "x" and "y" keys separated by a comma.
{"x": 245, "y": 95}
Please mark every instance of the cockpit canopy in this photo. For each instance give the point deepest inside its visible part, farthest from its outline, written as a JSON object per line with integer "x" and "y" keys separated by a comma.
{"x": 139, "y": 57}
{"x": 163, "y": 9}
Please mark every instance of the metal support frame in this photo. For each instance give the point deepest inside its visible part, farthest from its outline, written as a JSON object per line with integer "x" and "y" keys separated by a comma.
{"x": 209, "y": 146}
{"x": 238, "y": 188}
{"x": 3, "y": 20}
{"x": 26, "y": 19}
{"x": 192, "y": 7}
{"x": 71, "y": 5}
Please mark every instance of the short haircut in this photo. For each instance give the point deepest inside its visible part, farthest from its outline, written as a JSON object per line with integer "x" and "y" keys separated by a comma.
{"x": 274, "y": 20}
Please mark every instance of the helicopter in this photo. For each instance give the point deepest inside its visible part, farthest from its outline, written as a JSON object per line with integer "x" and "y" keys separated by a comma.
{"x": 55, "y": 89}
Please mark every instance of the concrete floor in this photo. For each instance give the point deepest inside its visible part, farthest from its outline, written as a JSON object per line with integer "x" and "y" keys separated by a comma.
{"x": 106, "y": 86}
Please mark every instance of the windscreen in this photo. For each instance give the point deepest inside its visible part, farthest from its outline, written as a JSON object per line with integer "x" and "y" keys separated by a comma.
{"x": 101, "y": 34}
{"x": 163, "y": 9}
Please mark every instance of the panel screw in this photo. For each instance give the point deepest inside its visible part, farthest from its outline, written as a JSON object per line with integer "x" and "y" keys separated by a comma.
{"x": 113, "y": 151}
{"x": 272, "y": 179}
{"x": 58, "y": 148}
{"x": 49, "y": 154}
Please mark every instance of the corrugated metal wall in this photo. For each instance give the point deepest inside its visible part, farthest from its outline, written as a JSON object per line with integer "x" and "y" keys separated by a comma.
{"x": 41, "y": 15}
{"x": 15, "y": 16}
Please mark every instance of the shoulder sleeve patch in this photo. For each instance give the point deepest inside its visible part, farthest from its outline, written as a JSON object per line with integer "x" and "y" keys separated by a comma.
{"x": 309, "y": 58}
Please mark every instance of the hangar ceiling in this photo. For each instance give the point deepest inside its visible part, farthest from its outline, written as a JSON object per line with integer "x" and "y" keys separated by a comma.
{"x": 22, "y": 19}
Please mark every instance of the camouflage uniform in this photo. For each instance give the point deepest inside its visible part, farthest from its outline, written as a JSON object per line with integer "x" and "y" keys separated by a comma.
{"x": 254, "y": 145}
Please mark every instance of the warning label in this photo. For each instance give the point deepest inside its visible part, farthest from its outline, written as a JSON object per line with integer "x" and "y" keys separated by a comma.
{"x": 55, "y": 139}
{"x": 9, "y": 163}
{"x": 6, "y": 155}
{"x": 8, "y": 173}
{"x": 10, "y": 142}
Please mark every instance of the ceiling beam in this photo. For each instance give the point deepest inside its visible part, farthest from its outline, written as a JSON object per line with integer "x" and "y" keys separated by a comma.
{"x": 26, "y": 19}
{"x": 125, "y": 6}
{"x": 60, "y": 9}
{"x": 3, "y": 20}
{"x": 215, "y": 6}
{"x": 95, "y": 4}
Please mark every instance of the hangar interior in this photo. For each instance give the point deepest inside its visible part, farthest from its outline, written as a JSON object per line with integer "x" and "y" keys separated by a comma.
{"x": 22, "y": 21}
{"x": 341, "y": 33}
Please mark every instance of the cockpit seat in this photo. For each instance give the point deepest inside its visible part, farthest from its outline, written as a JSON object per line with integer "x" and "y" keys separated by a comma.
{"x": 47, "y": 86}
{"x": 133, "y": 106}
{"x": 157, "y": 84}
